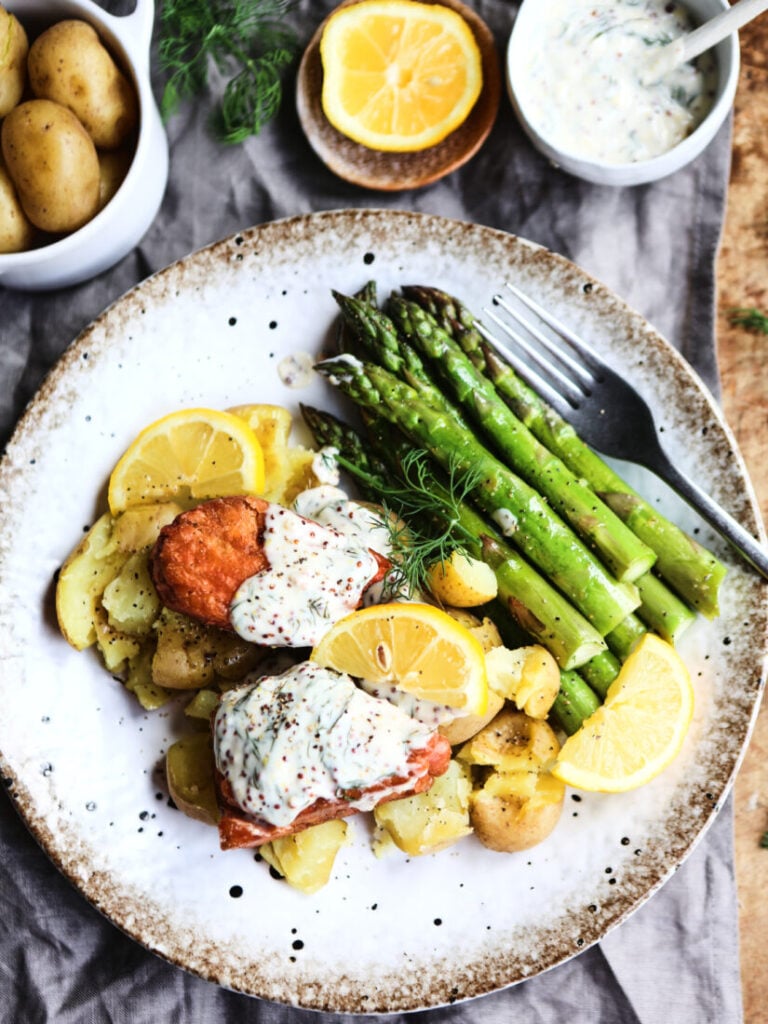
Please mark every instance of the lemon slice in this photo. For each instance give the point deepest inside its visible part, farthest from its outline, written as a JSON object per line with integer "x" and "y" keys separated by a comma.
{"x": 187, "y": 456}
{"x": 415, "y": 647}
{"x": 398, "y": 75}
{"x": 639, "y": 729}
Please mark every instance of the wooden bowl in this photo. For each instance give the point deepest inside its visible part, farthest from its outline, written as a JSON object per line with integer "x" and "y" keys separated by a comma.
{"x": 393, "y": 172}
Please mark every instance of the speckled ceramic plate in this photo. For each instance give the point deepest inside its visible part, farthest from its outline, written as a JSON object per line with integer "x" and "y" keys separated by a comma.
{"x": 84, "y": 762}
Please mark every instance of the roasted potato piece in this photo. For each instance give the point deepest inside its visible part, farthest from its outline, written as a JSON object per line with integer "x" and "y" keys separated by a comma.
{"x": 528, "y": 676}
{"x": 462, "y": 582}
{"x": 306, "y": 859}
{"x": 432, "y": 820}
{"x": 130, "y": 599}
{"x": 82, "y": 579}
{"x": 70, "y": 65}
{"x": 13, "y": 62}
{"x": 53, "y": 165}
{"x": 190, "y": 656}
{"x": 189, "y": 770}
{"x": 516, "y": 810}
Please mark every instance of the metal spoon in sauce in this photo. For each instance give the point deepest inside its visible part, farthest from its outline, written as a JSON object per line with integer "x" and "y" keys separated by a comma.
{"x": 703, "y": 38}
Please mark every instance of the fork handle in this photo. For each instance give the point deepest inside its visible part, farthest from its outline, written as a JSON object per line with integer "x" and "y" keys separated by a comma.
{"x": 746, "y": 545}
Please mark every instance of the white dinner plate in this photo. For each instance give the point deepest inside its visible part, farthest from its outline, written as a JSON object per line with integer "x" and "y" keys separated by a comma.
{"x": 84, "y": 762}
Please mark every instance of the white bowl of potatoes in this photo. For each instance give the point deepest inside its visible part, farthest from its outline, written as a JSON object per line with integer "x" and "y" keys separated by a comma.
{"x": 83, "y": 153}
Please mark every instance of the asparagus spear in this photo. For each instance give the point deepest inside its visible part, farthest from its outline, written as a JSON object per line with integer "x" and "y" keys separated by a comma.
{"x": 574, "y": 703}
{"x": 683, "y": 563}
{"x": 453, "y": 316}
{"x": 620, "y": 550}
{"x": 686, "y": 565}
{"x": 378, "y": 336}
{"x": 520, "y": 512}
{"x": 527, "y": 598}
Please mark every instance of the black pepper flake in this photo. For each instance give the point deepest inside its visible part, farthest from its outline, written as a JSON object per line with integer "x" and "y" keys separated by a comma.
{"x": 236, "y": 891}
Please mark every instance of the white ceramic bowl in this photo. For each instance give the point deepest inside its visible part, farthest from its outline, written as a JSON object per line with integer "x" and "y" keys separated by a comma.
{"x": 116, "y": 229}
{"x": 604, "y": 173}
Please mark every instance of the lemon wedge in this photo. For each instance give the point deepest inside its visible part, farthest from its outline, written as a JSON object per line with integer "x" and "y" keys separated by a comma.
{"x": 415, "y": 647}
{"x": 188, "y": 456}
{"x": 639, "y": 729}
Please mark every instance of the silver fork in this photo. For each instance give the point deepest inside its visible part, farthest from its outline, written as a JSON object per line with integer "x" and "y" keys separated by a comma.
{"x": 605, "y": 410}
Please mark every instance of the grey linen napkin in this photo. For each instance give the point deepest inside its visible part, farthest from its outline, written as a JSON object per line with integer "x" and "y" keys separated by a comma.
{"x": 676, "y": 958}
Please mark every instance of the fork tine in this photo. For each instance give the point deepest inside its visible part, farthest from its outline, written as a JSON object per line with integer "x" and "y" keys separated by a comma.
{"x": 523, "y": 369}
{"x": 578, "y": 344}
{"x": 576, "y": 368}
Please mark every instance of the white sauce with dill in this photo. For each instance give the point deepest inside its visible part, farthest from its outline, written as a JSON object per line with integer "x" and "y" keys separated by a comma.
{"x": 295, "y": 370}
{"x": 316, "y": 576}
{"x": 426, "y": 711}
{"x": 283, "y": 742}
{"x": 587, "y": 88}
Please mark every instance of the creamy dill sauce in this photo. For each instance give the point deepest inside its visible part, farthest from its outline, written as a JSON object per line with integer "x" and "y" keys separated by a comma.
{"x": 425, "y": 711}
{"x": 316, "y": 576}
{"x": 587, "y": 87}
{"x": 285, "y": 741}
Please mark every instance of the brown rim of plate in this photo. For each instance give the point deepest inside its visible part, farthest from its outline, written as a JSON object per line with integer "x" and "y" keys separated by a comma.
{"x": 393, "y": 172}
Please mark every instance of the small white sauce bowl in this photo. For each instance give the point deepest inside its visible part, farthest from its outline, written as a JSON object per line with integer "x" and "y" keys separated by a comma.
{"x": 639, "y": 173}
{"x": 119, "y": 226}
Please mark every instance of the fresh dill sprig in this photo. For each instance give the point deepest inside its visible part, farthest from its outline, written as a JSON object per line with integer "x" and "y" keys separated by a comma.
{"x": 247, "y": 40}
{"x": 752, "y": 319}
{"x": 422, "y": 515}
{"x": 764, "y": 840}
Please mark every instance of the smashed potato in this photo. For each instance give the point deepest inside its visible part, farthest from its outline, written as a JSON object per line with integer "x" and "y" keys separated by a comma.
{"x": 515, "y": 802}
{"x": 432, "y": 820}
{"x": 305, "y": 860}
{"x": 528, "y": 676}
{"x": 189, "y": 771}
{"x": 189, "y": 655}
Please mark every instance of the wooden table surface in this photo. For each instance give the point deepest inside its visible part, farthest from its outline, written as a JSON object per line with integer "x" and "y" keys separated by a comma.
{"x": 743, "y": 359}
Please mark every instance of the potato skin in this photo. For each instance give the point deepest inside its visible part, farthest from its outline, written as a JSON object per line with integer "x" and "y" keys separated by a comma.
{"x": 16, "y": 231}
{"x": 14, "y": 47}
{"x": 69, "y": 64}
{"x": 53, "y": 165}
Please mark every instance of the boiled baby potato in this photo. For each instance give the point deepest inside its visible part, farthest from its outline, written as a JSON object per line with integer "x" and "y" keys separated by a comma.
{"x": 130, "y": 599}
{"x": 70, "y": 65}
{"x": 113, "y": 167}
{"x": 13, "y": 62}
{"x": 459, "y": 730}
{"x": 16, "y": 231}
{"x": 190, "y": 655}
{"x": 138, "y": 679}
{"x": 529, "y": 676}
{"x": 462, "y": 581}
{"x": 138, "y": 528}
{"x": 82, "y": 579}
{"x": 433, "y": 820}
{"x": 513, "y": 741}
{"x": 516, "y": 802}
{"x": 517, "y": 810}
{"x": 189, "y": 771}
{"x": 306, "y": 859}
{"x": 53, "y": 164}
